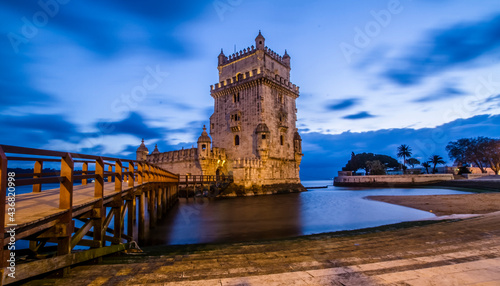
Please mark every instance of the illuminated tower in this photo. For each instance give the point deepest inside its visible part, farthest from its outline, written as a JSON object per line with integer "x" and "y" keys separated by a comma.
{"x": 255, "y": 116}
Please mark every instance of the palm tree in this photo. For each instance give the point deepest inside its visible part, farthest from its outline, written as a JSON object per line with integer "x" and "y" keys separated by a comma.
{"x": 436, "y": 159}
{"x": 426, "y": 165}
{"x": 404, "y": 151}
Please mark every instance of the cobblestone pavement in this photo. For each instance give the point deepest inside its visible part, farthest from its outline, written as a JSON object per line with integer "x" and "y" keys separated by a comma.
{"x": 452, "y": 252}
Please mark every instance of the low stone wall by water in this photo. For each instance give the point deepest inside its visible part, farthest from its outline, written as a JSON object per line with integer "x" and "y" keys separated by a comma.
{"x": 391, "y": 180}
{"x": 234, "y": 190}
{"x": 475, "y": 176}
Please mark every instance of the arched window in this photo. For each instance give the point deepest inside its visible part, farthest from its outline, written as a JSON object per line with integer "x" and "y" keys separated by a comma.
{"x": 236, "y": 97}
{"x": 236, "y": 140}
{"x": 281, "y": 140}
{"x": 203, "y": 146}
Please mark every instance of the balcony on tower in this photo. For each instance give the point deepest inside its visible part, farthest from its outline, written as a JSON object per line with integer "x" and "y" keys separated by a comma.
{"x": 235, "y": 122}
{"x": 282, "y": 121}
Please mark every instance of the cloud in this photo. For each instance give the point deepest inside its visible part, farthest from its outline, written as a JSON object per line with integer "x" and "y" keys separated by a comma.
{"x": 134, "y": 124}
{"x": 343, "y": 104}
{"x": 15, "y": 84}
{"x": 444, "y": 93}
{"x": 360, "y": 115}
{"x": 108, "y": 28}
{"x": 54, "y": 132}
{"x": 445, "y": 49}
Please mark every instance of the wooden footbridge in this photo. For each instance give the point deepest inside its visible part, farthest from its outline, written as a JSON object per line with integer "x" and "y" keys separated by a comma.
{"x": 111, "y": 208}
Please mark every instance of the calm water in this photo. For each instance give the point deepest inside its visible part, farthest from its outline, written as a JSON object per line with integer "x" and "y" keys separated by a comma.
{"x": 204, "y": 220}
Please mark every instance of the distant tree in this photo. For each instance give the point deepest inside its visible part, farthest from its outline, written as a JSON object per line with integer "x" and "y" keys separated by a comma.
{"x": 492, "y": 153}
{"x": 358, "y": 161}
{"x": 412, "y": 162}
{"x": 480, "y": 151}
{"x": 376, "y": 167}
{"x": 460, "y": 151}
{"x": 426, "y": 165}
{"x": 353, "y": 164}
{"x": 404, "y": 151}
{"x": 436, "y": 159}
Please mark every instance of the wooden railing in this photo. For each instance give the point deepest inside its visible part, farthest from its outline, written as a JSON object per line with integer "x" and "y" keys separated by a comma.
{"x": 188, "y": 180}
{"x": 50, "y": 216}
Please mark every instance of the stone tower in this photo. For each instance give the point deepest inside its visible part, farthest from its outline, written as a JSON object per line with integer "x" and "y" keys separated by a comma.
{"x": 254, "y": 117}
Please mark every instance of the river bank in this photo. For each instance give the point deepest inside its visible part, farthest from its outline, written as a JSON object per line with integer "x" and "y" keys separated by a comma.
{"x": 486, "y": 183}
{"x": 446, "y": 252}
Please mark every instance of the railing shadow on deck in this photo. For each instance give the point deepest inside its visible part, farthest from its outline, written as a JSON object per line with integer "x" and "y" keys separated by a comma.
{"x": 48, "y": 217}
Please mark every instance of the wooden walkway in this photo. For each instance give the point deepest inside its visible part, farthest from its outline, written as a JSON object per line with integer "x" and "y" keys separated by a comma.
{"x": 76, "y": 215}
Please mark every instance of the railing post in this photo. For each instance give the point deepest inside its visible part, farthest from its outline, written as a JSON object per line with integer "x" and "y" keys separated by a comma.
{"x": 140, "y": 173}
{"x": 131, "y": 201}
{"x": 145, "y": 173}
{"x": 118, "y": 205}
{"x": 99, "y": 178}
{"x": 110, "y": 176}
{"x": 38, "y": 169}
{"x": 85, "y": 168}
{"x": 3, "y": 193}
{"x": 99, "y": 212}
{"x": 118, "y": 175}
{"x": 65, "y": 228}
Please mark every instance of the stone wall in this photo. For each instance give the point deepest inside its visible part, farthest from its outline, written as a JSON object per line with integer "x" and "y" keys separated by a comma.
{"x": 391, "y": 180}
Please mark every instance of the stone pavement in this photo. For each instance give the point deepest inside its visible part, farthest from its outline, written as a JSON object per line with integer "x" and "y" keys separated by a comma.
{"x": 452, "y": 252}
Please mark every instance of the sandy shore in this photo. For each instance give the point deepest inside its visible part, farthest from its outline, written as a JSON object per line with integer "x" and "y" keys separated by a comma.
{"x": 447, "y": 204}
{"x": 479, "y": 203}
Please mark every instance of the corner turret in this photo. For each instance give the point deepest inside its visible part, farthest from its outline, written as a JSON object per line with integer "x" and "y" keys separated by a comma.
{"x": 222, "y": 58}
{"x": 142, "y": 152}
{"x": 297, "y": 147}
{"x": 204, "y": 143}
{"x": 260, "y": 41}
{"x": 286, "y": 59}
{"x": 156, "y": 151}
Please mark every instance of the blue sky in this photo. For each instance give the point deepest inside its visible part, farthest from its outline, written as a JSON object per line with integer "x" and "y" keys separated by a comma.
{"x": 97, "y": 76}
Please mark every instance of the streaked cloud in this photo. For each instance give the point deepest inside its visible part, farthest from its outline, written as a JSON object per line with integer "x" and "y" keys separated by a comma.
{"x": 443, "y": 49}
{"x": 442, "y": 94}
{"x": 359, "y": 115}
{"x": 343, "y": 104}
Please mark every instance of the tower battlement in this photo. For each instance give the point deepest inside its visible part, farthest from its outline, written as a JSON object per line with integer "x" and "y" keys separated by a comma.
{"x": 225, "y": 60}
{"x": 185, "y": 155}
{"x": 250, "y": 76}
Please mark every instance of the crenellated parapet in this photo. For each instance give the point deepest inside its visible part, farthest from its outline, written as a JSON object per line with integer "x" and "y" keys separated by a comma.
{"x": 185, "y": 155}
{"x": 225, "y": 60}
{"x": 236, "y": 56}
{"x": 174, "y": 156}
{"x": 251, "y": 77}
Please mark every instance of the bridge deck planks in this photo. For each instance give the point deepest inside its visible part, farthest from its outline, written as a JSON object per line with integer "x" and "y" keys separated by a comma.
{"x": 34, "y": 208}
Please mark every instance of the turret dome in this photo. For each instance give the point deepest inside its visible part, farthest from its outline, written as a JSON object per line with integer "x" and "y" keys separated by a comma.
{"x": 204, "y": 138}
{"x": 156, "y": 151}
{"x": 261, "y": 128}
{"x": 142, "y": 147}
{"x": 296, "y": 136}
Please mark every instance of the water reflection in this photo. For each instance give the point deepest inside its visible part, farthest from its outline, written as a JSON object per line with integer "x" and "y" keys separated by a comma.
{"x": 206, "y": 220}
